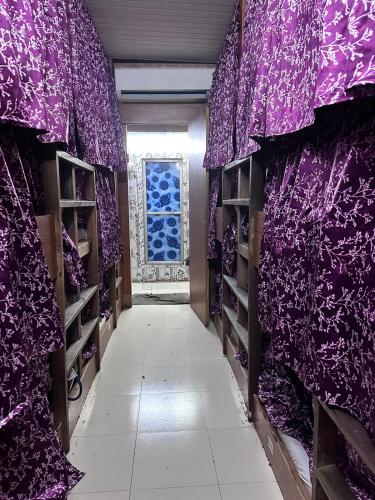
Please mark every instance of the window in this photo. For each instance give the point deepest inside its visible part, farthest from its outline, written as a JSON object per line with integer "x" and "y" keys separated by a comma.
{"x": 163, "y": 214}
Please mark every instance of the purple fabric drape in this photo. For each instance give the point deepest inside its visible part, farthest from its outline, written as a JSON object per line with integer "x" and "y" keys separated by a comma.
{"x": 45, "y": 48}
{"x": 317, "y": 268}
{"x": 98, "y": 125}
{"x": 32, "y": 463}
{"x": 34, "y": 56}
{"x": 73, "y": 262}
{"x": 222, "y": 99}
{"x": 110, "y": 244}
{"x": 212, "y": 202}
{"x": 299, "y": 56}
{"x": 229, "y": 249}
{"x": 347, "y": 50}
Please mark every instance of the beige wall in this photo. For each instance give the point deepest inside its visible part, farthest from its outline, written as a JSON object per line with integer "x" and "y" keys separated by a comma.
{"x": 159, "y": 114}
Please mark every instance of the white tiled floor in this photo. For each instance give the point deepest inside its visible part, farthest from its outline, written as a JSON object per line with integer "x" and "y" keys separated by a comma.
{"x": 160, "y": 287}
{"x": 165, "y": 419}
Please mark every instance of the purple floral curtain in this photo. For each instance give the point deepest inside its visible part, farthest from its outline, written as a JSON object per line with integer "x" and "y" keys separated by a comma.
{"x": 98, "y": 126}
{"x": 213, "y": 198}
{"x": 317, "y": 269}
{"x": 347, "y": 50}
{"x": 297, "y": 57}
{"x": 34, "y": 57}
{"x": 222, "y": 99}
{"x": 110, "y": 244}
{"x": 32, "y": 463}
{"x": 73, "y": 262}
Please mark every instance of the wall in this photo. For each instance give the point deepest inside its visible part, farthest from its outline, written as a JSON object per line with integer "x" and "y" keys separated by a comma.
{"x": 155, "y": 145}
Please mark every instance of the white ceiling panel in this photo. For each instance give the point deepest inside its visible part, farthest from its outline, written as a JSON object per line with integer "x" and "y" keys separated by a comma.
{"x": 162, "y": 30}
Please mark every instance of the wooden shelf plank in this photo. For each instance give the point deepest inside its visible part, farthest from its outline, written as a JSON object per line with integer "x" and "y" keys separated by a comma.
{"x": 354, "y": 433}
{"x": 237, "y": 202}
{"x": 77, "y": 203}
{"x": 84, "y": 248}
{"x": 118, "y": 281}
{"x": 241, "y": 332}
{"x": 237, "y": 163}
{"x": 75, "y": 161}
{"x": 332, "y": 482}
{"x": 75, "y": 349}
{"x": 239, "y": 292}
{"x": 72, "y": 311}
{"x": 243, "y": 250}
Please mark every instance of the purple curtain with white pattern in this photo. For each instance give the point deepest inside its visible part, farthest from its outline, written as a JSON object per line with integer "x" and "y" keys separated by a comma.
{"x": 34, "y": 61}
{"x": 222, "y": 99}
{"x": 297, "y": 57}
{"x": 99, "y": 134}
{"x": 317, "y": 272}
{"x": 110, "y": 244}
{"x": 32, "y": 463}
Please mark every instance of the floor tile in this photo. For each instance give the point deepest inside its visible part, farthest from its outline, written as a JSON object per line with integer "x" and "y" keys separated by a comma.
{"x": 159, "y": 379}
{"x": 192, "y": 493}
{"x": 253, "y": 491}
{"x": 215, "y": 375}
{"x": 126, "y": 382}
{"x": 171, "y": 412}
{"x": 224, "y": 409}
{"x": 239, "y": 456}
{"x": 171, "y": 459}
{"x": 117, "y": 495}
{"x": 111, "y": 415}
{"x": 125, "y": 356}
{"x": 107, "y": 461}
{"x": 170, "y": 355}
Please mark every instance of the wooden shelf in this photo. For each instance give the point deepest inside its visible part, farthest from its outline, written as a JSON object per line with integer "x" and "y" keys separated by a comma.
{"x": 84, "y": 248}
{"x": 243, "y": 250}
{"x": 77, "y": 203}
{"x": 75, "y": 161}
{"x": 237, "y": 163}
{"x": 72, "y": 311}
{"x": 75, "y": 349}
{"x": 354, "y": 433}
{"x": 241, "y": 332}
{"x": 333, "y": 483}
{"x": 239, "y": 292}
{"x": 244, "y": 202}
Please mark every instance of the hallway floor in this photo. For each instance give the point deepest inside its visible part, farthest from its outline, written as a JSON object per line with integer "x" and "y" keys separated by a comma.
{"x": 165, "y": 419}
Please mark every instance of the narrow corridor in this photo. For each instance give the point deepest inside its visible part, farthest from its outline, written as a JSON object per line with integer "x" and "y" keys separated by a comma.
{"x": 165, "y": 419}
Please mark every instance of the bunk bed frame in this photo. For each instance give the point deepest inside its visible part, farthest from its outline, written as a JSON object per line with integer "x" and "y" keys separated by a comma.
{"x": 61, "y": 205}
{"x": 239, "y": 329}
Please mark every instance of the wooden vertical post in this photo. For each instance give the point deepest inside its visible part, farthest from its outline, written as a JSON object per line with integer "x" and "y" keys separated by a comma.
{"x": 123, "y": 205}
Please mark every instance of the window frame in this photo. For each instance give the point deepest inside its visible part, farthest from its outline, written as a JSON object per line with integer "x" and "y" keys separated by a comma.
{"x": 179, "y": 162}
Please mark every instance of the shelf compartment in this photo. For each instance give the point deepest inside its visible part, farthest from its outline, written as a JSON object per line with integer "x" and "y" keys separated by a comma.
{"x": 288, "y": 479}
{"x": 240, "y": 331}
{"x": 239, "y": 372}
{"x": 72, "y": 311}
{"x": 77, "y": 203}
{"x": 237, "y": 202}
{"x": 75, "y": 349}
{"x": 84, "y": 248}
{"x": 241, "y": 294}
{"x": 354, "y": 433}
{"x": 333, "y": 483}
{"x": 237, "y": 163}
{"x": 243, "y": 250}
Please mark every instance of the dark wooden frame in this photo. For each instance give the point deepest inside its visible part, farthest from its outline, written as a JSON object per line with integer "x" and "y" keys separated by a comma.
{"x": 61, "y": 204}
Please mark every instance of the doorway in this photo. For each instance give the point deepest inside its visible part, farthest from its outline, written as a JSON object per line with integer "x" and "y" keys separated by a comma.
{"x": 158, "y": 173}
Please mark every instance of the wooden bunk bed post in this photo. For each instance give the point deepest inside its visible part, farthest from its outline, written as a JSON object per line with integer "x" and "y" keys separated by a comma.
{"x": 59, "y": 393}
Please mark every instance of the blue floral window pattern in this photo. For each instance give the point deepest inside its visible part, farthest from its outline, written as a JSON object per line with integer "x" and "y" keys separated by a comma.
{"x": 163, "y": 199}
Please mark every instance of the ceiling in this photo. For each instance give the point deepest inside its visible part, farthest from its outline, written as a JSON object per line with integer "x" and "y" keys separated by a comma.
{"x": 162, "y": 30}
